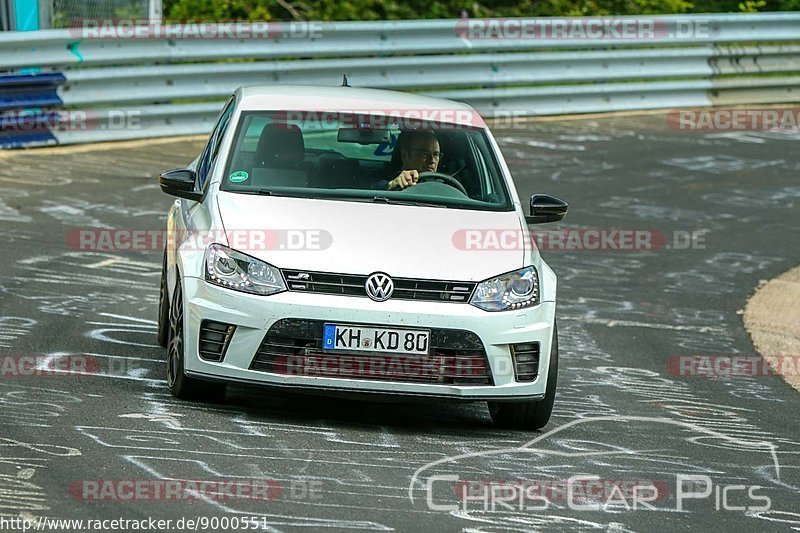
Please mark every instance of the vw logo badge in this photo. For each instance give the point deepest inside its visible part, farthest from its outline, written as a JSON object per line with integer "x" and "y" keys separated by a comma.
{"x": 379, "y": 287}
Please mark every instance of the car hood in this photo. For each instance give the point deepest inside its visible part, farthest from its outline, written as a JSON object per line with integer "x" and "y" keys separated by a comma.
{"x": 361, "y": 238}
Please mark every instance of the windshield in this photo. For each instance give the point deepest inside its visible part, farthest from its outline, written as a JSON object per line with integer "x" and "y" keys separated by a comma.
{"x": 358, "y": 158}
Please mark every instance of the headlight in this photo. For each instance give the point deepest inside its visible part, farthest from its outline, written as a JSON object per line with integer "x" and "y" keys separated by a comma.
{"x": 235, "y": 270}
{"x": 514, "y": 290}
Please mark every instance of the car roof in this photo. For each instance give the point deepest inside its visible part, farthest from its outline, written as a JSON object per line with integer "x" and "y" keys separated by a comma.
{"x": 354, "y": 99}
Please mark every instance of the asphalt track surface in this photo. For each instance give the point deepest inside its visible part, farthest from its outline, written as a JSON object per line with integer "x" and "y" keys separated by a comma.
{"x": 348, "y": 465}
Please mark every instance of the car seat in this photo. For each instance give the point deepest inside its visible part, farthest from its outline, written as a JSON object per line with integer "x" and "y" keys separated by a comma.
{"x": 280, "y": 156}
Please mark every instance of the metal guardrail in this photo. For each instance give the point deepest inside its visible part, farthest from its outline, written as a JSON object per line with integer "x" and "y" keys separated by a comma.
{"x": 735, "y": 59}
{"x": 26, "y": 90}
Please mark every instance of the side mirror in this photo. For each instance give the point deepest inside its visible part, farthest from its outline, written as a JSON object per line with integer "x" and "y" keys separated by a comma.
{"x": 181, "y": 183}
{"x": 546, "y": 208}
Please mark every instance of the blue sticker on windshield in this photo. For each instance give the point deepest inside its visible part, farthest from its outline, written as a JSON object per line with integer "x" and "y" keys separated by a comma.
{"x": 380, "y": 151}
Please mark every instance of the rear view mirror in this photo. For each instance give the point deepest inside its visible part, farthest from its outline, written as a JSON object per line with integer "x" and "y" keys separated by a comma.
{"x": 363, "y": 136}
{"x": 181, "y": 183}
{"x": 546, "y": 208}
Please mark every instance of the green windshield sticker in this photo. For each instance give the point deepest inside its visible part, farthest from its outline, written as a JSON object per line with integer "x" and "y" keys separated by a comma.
{"x": 238, "y": 176}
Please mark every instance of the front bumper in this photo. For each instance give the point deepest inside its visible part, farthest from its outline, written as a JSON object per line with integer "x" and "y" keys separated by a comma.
{"x": 254, "y": 315}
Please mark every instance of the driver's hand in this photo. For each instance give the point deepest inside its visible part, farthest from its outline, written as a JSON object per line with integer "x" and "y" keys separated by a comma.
{"x": 406, "y": 178}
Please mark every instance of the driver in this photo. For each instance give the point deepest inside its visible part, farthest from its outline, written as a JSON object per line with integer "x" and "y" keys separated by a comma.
{"x": 419, "y": 152}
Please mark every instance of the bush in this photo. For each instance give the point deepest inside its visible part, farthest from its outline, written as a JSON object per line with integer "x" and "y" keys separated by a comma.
{"x": 427, "y": 9}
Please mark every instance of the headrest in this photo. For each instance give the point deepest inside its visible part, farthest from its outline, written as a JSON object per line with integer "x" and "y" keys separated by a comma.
{"x": 280, "y": 146}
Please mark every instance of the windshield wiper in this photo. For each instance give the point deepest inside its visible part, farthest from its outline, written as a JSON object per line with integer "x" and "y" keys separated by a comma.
{"x": 269, "y": 192}
{"x": 374, "y": 199}
{"x": 393, "y": 201}
{"x": 264, "y": 192}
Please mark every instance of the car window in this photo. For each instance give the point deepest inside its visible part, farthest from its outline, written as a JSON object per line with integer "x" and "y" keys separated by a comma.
{"x": 484, "y": 176}
{"x": 351, "y": 157}
{"x": 324, "y": 140}
{"x": 211, "y": 150}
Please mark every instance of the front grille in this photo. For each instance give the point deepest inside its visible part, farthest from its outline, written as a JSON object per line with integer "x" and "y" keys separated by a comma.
{"x": 526, "y": 361}
{"x": 294, "y": 347}
{"x": 353, "y": 285}
{"x": 214, "y": 339}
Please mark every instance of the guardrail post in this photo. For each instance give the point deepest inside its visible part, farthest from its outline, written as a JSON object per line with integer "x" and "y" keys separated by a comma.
{"x": 155, "y": 10}
{"x": 45, "y": 14}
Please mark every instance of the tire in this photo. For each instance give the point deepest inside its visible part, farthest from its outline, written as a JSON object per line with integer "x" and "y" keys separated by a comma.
{"x": 180, "y": 385}
{"x": 531, "y": 414}
{"x": 163, "y": 307}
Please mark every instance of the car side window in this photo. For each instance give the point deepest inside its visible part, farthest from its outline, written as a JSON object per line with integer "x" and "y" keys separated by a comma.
{"x": 489, "y": 181}
{"x": 209, "y": 157}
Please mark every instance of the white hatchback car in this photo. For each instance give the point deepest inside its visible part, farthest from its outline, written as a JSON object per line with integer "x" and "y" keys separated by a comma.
{"x": 299, "y": 259}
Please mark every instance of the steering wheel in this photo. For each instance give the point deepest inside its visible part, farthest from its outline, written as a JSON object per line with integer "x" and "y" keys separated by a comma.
{"x": 438, "y": 176}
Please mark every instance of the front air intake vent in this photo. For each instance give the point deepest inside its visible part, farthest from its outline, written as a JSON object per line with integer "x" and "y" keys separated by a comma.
{"x": 214, "y": 340}
{"x": 294, "y": 347}
{"x": 526, "y": 361}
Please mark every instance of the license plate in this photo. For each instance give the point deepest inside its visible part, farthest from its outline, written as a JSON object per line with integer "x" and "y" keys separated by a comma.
{"x": 337, "y": 337}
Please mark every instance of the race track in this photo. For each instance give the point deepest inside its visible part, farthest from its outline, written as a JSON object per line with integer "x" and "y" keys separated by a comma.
{"x": 342, "y": 464}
